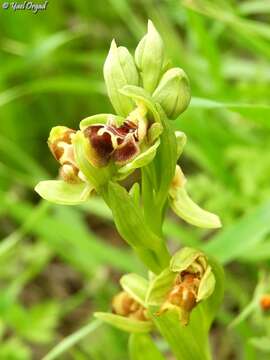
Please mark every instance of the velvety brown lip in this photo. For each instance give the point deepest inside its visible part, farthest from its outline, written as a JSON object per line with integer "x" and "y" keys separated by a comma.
{"x": 102, "y": 143}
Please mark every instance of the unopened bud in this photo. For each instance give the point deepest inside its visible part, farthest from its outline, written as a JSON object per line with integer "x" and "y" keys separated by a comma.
{"x": 120, "y": 70}
{"x": 173, "y": 92}
{"x": 149, "y": 57}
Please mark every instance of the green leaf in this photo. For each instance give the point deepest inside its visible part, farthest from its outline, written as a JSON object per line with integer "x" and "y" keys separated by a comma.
{"x": 61, "y": 192}
{"x": 36, "y": 324}
{"x": 125, "y": 324}
{"x": 72, "y": 340}
{"x": 136, "y": 286}
{"x": 141, "y": 160}
{"x": 186, "y": 209}
{"x": 142, "y": 347}
{"x": 129, "y": 219}
{"x": 255, "y": 112}
{"x": 236, "y": 239}
{"x": 132, "y": 226}
{"x": 189, "y": 342}
{"x": 14, "y": 349}
{"x": 261, "y": 343}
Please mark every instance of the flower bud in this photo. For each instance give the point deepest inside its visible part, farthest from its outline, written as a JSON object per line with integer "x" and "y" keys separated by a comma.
{"x": 120, "y": 70}
{"x": 173, "y": 92}
{"x": 149, "y": 58}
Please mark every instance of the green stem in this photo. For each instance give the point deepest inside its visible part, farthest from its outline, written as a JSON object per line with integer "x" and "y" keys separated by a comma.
{"x": 154, "y": 260}
{"x": 154, "y": 215}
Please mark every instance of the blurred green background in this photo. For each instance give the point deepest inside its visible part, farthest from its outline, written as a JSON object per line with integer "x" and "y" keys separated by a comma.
{"x": 59, "y": 264}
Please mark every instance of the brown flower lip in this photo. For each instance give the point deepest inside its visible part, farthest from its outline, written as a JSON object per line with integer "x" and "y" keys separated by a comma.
{"x": 111, "y": 142}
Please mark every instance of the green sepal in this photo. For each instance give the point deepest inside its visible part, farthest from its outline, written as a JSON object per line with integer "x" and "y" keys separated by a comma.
{"x": 136, "y": 286}
{"x": 123, "y": 323}
{"x": 159, "y": 288}
{"x": 120, "y": 70}
{"x": 101, "y": 119}
{"x": 183, "y": 258}
{"x": 149, "y": 58}
{"x": 96, "y": 176}
{"x": 142, "y": 347}
{"x": 139, "y": 95}
{"x": 188, "y": 210}
{"x": 141, "y": 160}
{"x": 61, "y": 192}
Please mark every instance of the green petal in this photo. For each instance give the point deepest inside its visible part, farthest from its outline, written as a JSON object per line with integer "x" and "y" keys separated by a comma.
{"x": 125, "y": 324}
{"x": 61, "y": 192}
{"x": 139, "y": 95}
{"x": 141, "y": 160}
{"x": 189, "y": 211}
{"x": 136, "y": 286}
{"x": 100, "y": 119}
{"x": 159, "y": 288}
